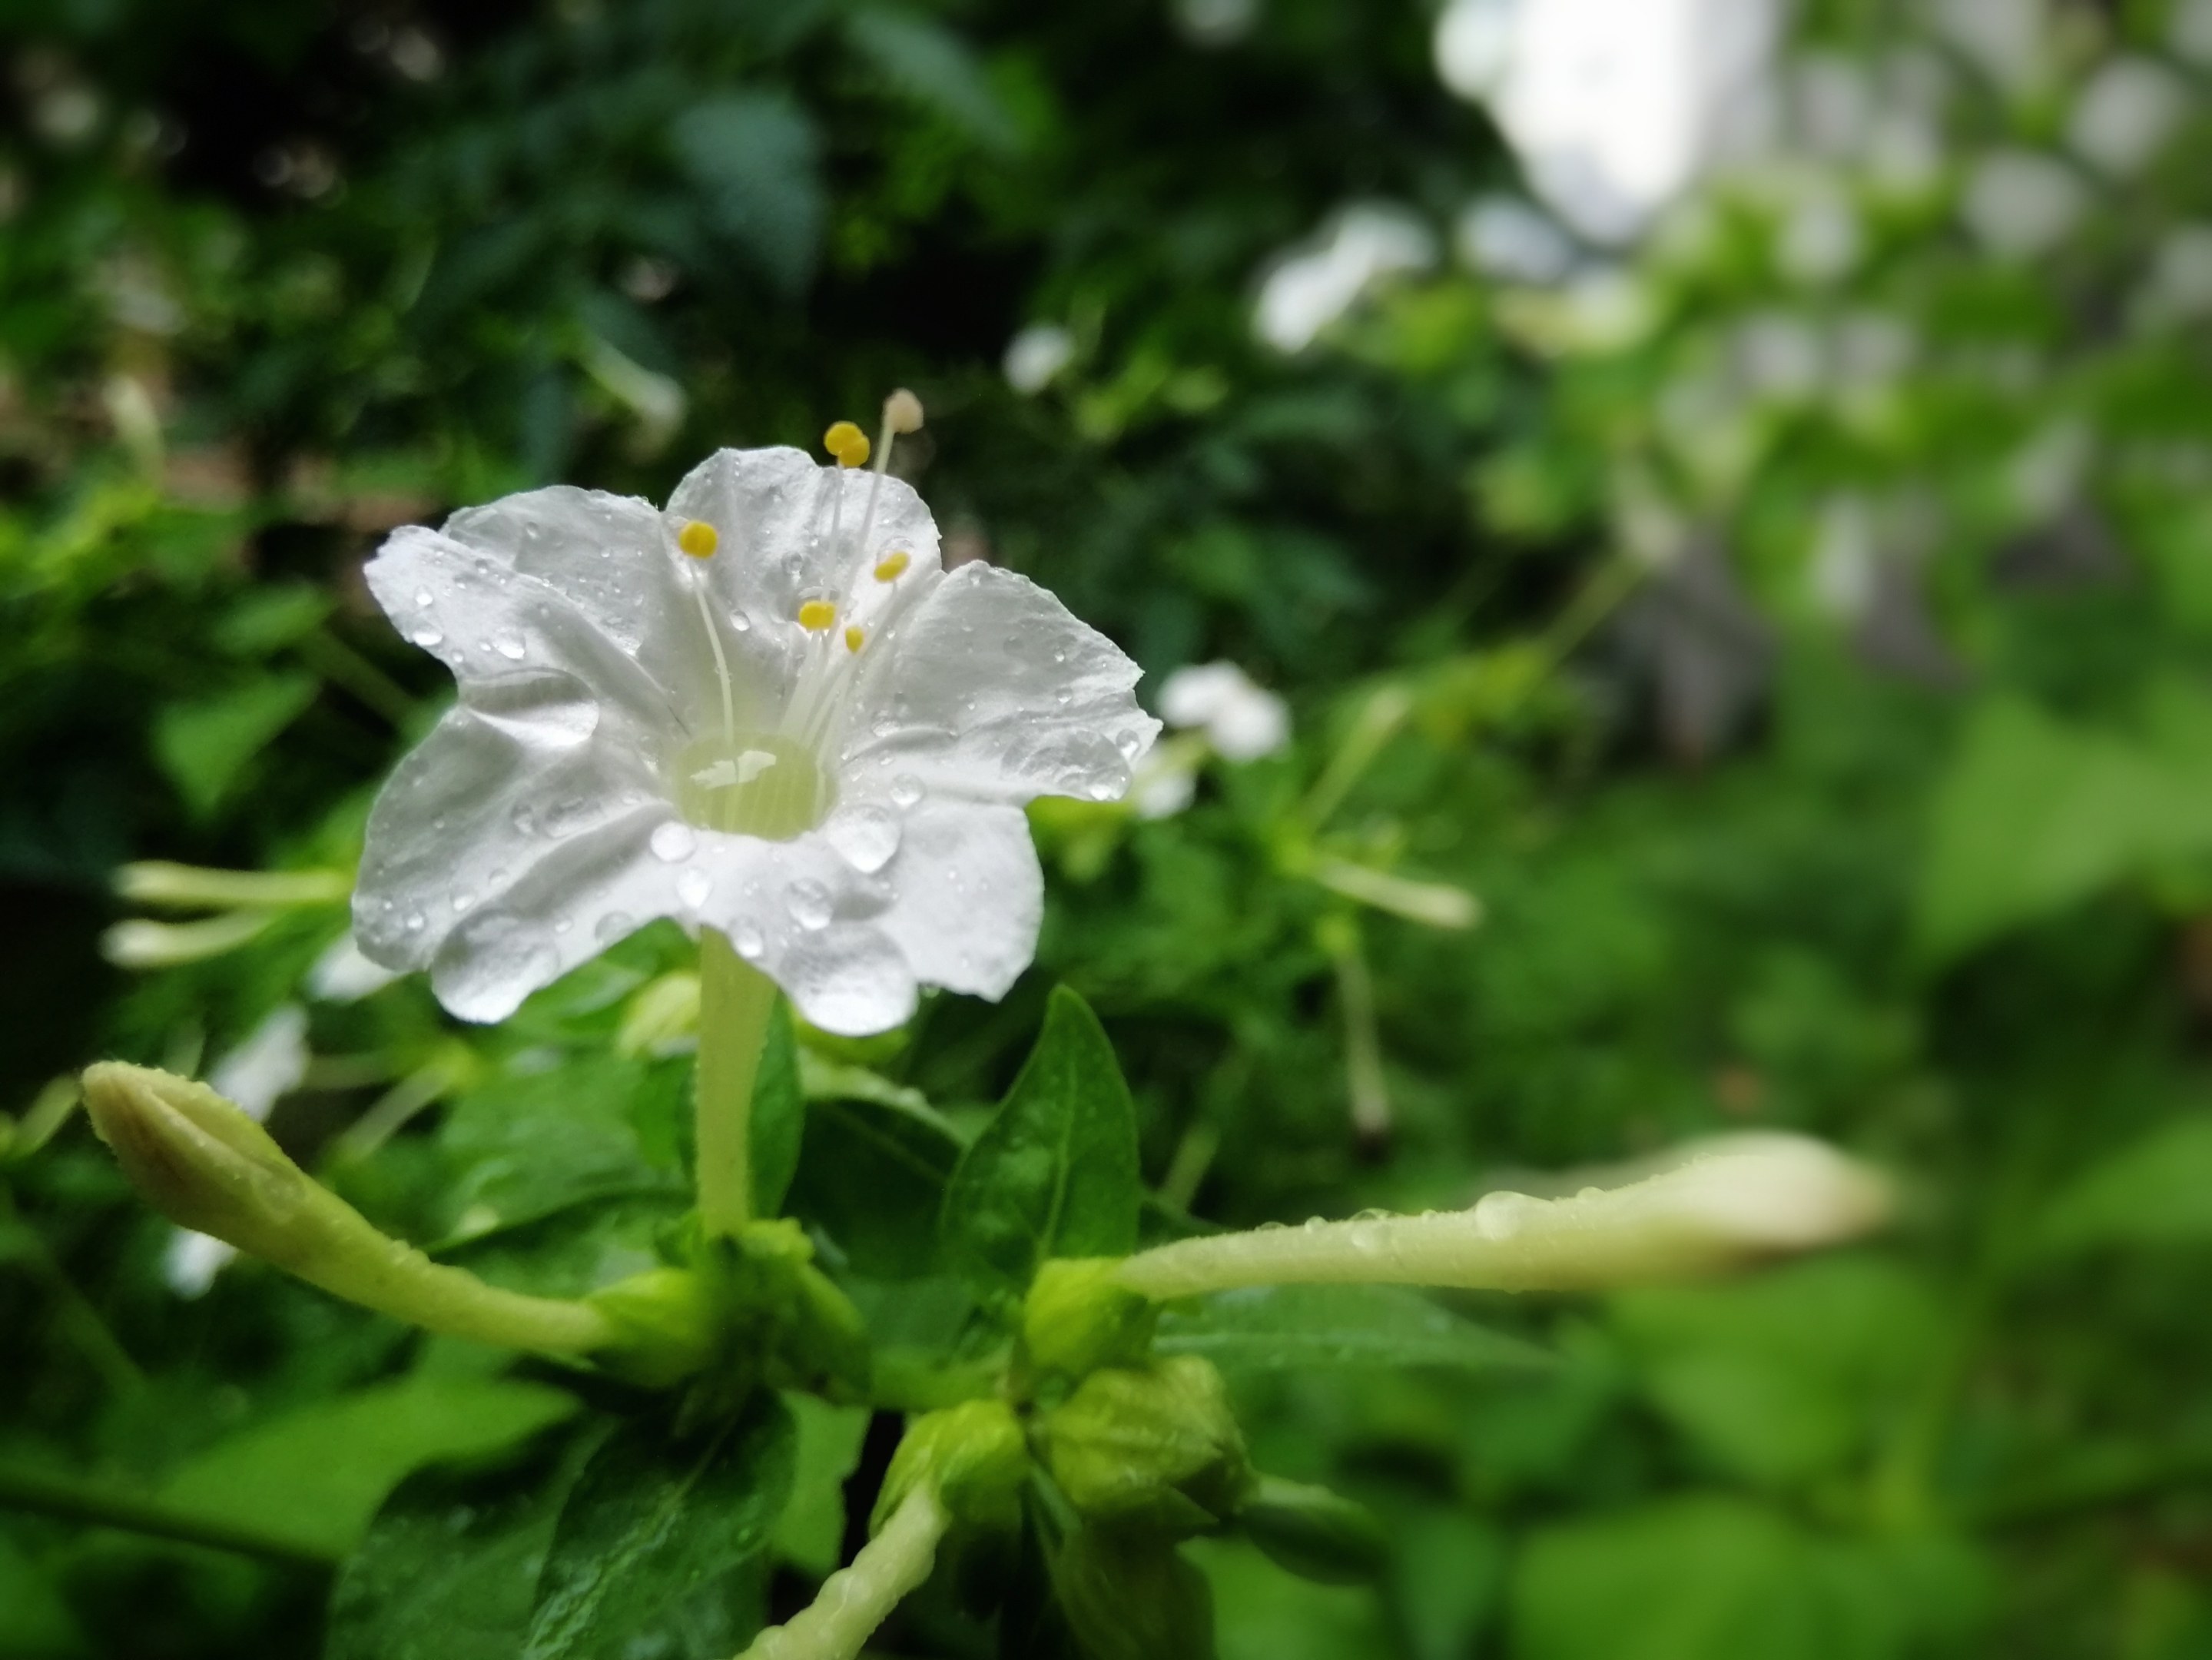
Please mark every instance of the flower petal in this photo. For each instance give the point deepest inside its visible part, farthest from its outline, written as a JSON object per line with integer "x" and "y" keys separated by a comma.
{"x": 480, "y": 802}
{"x": 773, "y": 511}
{"x": 970, "y": 897}
{"x": 991, "y": 689}
{"x": 485, "y": 619}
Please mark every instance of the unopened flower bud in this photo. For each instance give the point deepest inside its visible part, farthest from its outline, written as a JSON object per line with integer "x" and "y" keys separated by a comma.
{"x": 1078, "y": 1317}
{"x": 1154, "y": 1448}
{"x": 665, "y": 1326}
{"x": 1314, "y": 1533}
{"x": 1723, "y": 1204}
{"x": 204, "y": 1165}
{"x": 971, "y": 1456}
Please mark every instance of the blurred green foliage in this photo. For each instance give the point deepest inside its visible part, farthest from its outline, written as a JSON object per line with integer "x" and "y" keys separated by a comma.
{"x": 1802, "y": 663}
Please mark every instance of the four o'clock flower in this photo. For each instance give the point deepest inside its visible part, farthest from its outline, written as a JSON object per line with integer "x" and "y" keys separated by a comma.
{"x": 766, "y": 711}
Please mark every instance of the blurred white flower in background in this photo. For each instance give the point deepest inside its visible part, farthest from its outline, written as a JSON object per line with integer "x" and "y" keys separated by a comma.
{"x": 2006, "y": 40}
{"x": 2125, "y": 114}
{"x": 1214, "y": 22}
{"x": 2190, "y": 30}
{"x": 1037, "y": 356}
{"x": 1310, "y": 287}
{"x": 268, "y": 1066}
{"x": 2020, "y": 204}
{"x": 342, "y": 975}
{"x": 1515, "y": 240}
{"x": 1242, "y": 721}
{"x": 1615, "y": 107}
{"x": 2179, "y": 289}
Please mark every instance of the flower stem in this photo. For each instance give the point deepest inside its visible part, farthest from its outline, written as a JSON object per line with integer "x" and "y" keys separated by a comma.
{"x": 855, "y": 1601}
{"x": 735, "y": 1002}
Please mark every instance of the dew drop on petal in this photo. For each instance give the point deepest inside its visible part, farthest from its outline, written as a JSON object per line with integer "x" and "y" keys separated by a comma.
{"x": 613, "y": 927}
{"x": 809, "y": 903}
{"x": 462, "y": 900}
{"x": 524, "y": 820}
{"x": 906, "y": 789}
{"x": 741, "y": 622}
{"x": 674, "y": 841}
{"x": 693, "y": 886}
{"x": 509, "y": 646}
{"x": 747, "y": 939}
{"x": 1059, "y": 657}
{"x": 1103, "y": 789}
{"x": 416, "y": 921}
{"x": 426, "y": 638}
{"x": 562, "y": 924}
{"x": 424, "y": 598}
{"x": 864, "y": 835}
{"x": 850, "y": 980}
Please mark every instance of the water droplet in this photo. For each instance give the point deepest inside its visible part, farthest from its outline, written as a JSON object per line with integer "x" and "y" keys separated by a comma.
{"x": 747, "y": 939}
{"x": 562, "y": 924}
{"x": 426, "y": 638}
{"x": 693, "y": 886}
{"x": 674, "y": 841}
{"x": 884, "y": 726}
{"x": 906, "y": 789}
{"x": 1059, "y": 657}
{"x": 1063, "y": 696}
{"x": 741, "y": 623}
{"x": 509, "y": 646}
{"x": 612, "y": 927}
{"x": 809, "y": 902}
{"x": 1103, "y": 789}
{"x": 416, "y": 921}
{"x": 425, "y": 598}
{"x": 1127, "y": 742}
{"x": 525, "y": 821}
{"x": 864, "y": 835}
{"x": 462, "y": 899}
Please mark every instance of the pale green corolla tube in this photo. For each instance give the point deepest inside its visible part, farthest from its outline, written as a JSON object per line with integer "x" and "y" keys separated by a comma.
{"x": 853, "y": 1601}
{"x": 1723, "y": 1203}
{"x": 200, "y": 1162}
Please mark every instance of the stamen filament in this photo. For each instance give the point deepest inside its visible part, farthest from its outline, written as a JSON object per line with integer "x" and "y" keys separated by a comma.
{"x": 721, "y": 662}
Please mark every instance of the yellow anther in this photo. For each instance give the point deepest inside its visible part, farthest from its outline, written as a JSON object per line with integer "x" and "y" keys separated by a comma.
{"x": 893, "y": 566}
{"x": 853, "y": 636}
{"x": 816, "y": 614}
{"x": 847, "y": 443}
{"x": 697, "y": 538}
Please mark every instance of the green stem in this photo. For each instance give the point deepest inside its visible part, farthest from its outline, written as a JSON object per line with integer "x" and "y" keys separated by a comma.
{"x": 736, "y": 1001}
{"x": 47, "y": 1495}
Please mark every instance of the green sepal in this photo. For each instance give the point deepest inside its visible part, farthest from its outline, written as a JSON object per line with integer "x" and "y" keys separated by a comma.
{"x": 1154, "y": 1449}
{"x": 1126, "y": 1596}
{"x": 975, "y": 1456}
{"x": 1314, "y": 1533}
{"x": 664, "y": 1319}
{"x": 1076, "y": 1318}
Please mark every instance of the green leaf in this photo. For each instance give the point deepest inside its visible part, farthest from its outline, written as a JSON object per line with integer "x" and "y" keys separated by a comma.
{"x": 1270, "y": 1327}
{"x": 1264, "y": 1614}
{"x": 1704, "y": 1576}
{"x": 317, "y": 1476}
{"x": 871, "y": 1177}
{"x": 38, "y": 1624}
{"x": 756, "y": 158}
{"x": 1129, "y": 1597}
{"x": 450, "y": 1565}
{"x": 933, "y": 67}
{"x": 271, "y": 617}
{"x": 812, "y": 1528}
{"x": 205, "y": 747}
{"x": 2036, "y": 816}
{"x": 1789, "y": 1375}
{"x": 2155, "y": 1191}
{"x": 655, "y": 1550}
{"x": 779, "y": 1114}
{"x": 1055, "y": 1172}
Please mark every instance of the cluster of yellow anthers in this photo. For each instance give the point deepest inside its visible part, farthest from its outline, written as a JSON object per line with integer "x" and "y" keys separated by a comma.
{"x": 850, "y": 447}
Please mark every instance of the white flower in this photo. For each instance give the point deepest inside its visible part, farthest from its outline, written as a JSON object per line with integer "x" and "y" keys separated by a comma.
{"x": 767, "y": 710}
{"x": 1308, "y": 288}
{"x": 1242, "y": 721}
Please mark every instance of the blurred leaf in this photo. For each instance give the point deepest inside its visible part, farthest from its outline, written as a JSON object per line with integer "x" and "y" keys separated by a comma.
{"x": 756, "y": 157}
{"x": 270, "y": 618}
{"x": 1055, "y": 1172}
{"x": 204, "y": 746}
{"x": 2036, "y": 816}
{"x": 450, "y": 1566}
{"x": 318, "y": 1474}
{"x": 1129, "y": 1597}
{"x": 1263, "y": 1614}
{"x": 779, "y": 1115}
{"x": 934, "y": 67}
{"x": 872, "y": 1176}
{"x": 1787, "y": 1375}
{"x": 37, "y": 1624}
{"x": 653, "y": 1551}
{"x": 2155, "y": 1191}
{"x": 812, "y": 1530}
{"x": 1270, "y": 1327}
{"x": 1696, "y": 1577}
